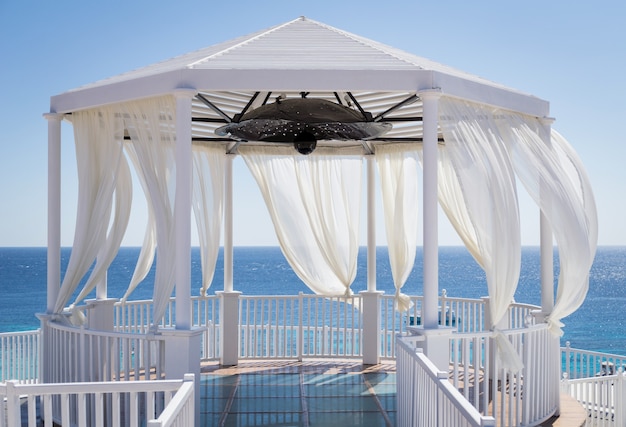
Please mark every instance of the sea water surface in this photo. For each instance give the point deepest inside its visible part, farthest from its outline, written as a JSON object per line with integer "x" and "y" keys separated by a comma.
{"x": 598, "y": 325}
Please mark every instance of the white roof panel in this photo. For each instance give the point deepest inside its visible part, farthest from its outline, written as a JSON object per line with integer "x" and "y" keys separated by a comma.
{"x": 298, "y": 55}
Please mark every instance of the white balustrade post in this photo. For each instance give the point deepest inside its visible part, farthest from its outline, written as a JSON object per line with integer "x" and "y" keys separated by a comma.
{"x": 13, "y": 404}
{"x": 182, "y": 357}
{"x": 300, "y": 344}
{"x": 370, "y": 336}
{"x": 229, "y": 327}
{"x": 101, "y": 314}
{"x": 182, "y": 207}
{"x": 46, "y": 356}
{"x": 54, "y": 209}
{"x": 620, "y": 398}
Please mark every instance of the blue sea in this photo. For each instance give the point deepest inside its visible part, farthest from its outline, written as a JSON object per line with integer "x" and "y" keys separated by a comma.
{"x": 599, "y": 324}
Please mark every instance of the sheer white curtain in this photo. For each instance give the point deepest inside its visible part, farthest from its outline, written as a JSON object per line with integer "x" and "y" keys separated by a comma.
{"x": 106, "y": 255}
{"x": 148, "y": 247}
{"x": 476, "y": 169}
{"x": 314, "y": 204}
{"x": 555, "y": 178}
{"x": 208, "y": 201}
{"x": 151, "y": 126}
{"x": 98, "y": 138}
{"x": 398, "y": 170}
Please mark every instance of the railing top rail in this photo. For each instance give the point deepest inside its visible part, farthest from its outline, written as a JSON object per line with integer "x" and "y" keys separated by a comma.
{"x": 593, "y": 353}
{"x": 19, "y": 334}
{"x": 466, "y": 409}
{"x": 598, "y": 379}
{"x": 177, "y": 402}
{"x": 507, "y": 332}
{"x": 108, "y": 334}
{"x": 96, "y": 387}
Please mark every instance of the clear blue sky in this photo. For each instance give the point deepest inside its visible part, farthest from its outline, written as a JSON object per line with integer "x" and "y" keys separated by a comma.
{"x": 572, "y": 54}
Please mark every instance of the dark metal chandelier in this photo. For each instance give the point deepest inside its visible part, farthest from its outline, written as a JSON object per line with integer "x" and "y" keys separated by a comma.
{"x": 303, "y": 122}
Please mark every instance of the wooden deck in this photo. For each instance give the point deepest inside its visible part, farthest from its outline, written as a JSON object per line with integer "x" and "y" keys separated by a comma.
{"x": 572, "y": 413}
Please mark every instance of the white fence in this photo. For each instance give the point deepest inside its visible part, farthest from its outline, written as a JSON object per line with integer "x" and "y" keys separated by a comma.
{"x": 307, "y": 325}
{"x": 585, "y": 364}
{"x": 514, "y": 399}
{"x": 79, "y": 354}
{"x": 602, "y": 397}
{"x": 99, "y": 404}
{"x": 425, "y": 395}
{"x": 136, "y": 317}
{"x": 19, "y": 356}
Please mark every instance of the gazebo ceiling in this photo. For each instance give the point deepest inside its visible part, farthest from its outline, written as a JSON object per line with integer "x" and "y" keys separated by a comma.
{"x": 403, "y": 111}
{"x": 300, "y": 59}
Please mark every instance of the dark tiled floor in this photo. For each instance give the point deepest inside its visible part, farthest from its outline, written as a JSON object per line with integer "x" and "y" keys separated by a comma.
{"x": 299, "y": 394}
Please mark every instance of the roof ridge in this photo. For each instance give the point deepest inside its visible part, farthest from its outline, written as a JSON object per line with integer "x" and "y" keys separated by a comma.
{"x": 244, "y": 42}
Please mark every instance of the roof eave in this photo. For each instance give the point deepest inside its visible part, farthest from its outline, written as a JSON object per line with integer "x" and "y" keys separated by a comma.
{"x": 296, "y": 80}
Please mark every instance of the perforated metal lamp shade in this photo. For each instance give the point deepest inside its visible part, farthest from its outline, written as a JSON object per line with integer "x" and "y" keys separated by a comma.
{"x": 304, "y": 121}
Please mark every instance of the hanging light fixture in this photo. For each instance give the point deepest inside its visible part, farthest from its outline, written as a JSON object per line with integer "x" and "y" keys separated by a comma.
{"x": 302, "y": 122}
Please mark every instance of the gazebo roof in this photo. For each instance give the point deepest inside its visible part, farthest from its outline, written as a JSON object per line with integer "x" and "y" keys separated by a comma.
{"x": 297, "y": 59}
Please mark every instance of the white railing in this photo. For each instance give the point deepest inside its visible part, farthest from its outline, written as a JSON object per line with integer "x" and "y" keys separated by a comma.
{"x": 597, "y": 381}
{"x": 136, "y": 317}
{"x": 19, "y": 356}
{"x": 79, "y": 354}
{"x": 527, "y": 397}
{"x": 426, "y": 397}
{"x": 585, "y": 364}
{"x": 601, "y": 396}
{"x": 514, "y": 399}
{"x": 299, "y": 326}
{"x": 308, "y": 325}
{"x": 99, "y": 404}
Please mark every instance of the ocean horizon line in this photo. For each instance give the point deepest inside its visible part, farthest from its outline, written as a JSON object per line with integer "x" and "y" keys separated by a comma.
{"x": 277, "y": 246}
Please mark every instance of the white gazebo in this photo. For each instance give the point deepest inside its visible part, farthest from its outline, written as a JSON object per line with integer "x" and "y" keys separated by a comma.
{"x": 180, "y": 123}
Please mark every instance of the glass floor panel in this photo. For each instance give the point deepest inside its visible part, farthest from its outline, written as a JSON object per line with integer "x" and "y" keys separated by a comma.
{"x": 303, "y": 394}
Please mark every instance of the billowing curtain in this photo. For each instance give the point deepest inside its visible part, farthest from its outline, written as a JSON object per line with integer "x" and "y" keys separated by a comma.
{"x": 98, "y": 139}
{"x": 151, "y": 126}
{"x": 208, "y": 201}
{"x": 555, "y": 178}
{"x": 398, "y": 170}
{"x": 314, "y": 204}
{"x": 148, "y": 247}
{"x": 479, "y": 195}
{"x": 123, "y": 202}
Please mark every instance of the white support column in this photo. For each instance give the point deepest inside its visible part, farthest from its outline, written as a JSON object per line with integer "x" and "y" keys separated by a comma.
{"x": 101, "y": 288}
{"x": 371, "y": 224}
{"x": 182, "y": 208}
{"x": 546, "y": 243}
{"x": 370, "y": 299}
{"x": 436, "y": 344}
{"x": 547, "y": 265}
{"x": 228, "y": 223}
{"x": 229, "y": 299}
{"x": 547, "y": 274}
{"x": 430, "y": 101}
{"x": 54, "y": 209}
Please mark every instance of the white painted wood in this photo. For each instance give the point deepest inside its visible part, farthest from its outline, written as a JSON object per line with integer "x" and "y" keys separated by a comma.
{"x": 54, "y": 209}
{"x": 430, "y": 210}
{"x": 182, "y": 208}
